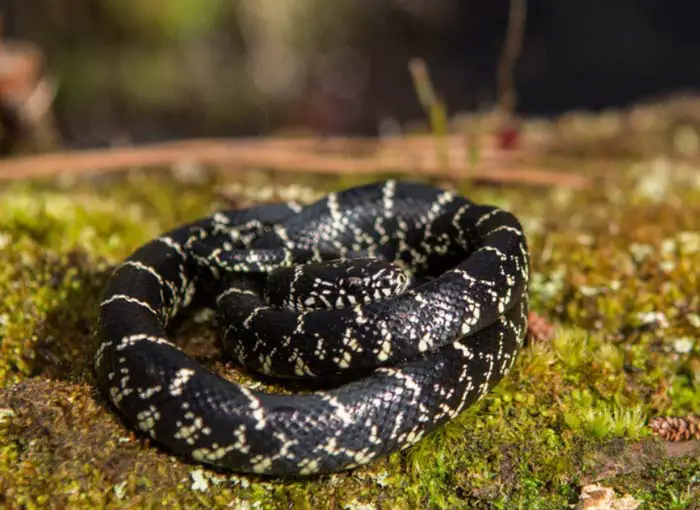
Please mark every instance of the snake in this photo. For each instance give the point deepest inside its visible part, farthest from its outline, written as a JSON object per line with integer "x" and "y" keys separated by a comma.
{"x": 393, "y": 305}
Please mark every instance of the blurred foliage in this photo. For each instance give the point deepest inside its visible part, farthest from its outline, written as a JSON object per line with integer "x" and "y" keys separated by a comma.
{"x": 166, "y": 21}
{"x": 144, "y": 70}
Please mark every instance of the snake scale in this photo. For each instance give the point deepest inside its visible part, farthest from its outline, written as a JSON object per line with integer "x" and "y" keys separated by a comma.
{"x": 410, "y": 298}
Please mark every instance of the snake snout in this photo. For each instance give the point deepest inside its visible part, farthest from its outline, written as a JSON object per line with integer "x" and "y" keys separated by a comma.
{"x": 335, "y": 284}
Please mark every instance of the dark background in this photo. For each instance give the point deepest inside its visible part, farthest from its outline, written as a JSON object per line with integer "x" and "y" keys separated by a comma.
{"x": 139, "y": 70}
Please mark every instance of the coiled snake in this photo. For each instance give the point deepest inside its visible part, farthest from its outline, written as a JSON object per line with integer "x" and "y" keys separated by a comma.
{"x": 412, "y": 299}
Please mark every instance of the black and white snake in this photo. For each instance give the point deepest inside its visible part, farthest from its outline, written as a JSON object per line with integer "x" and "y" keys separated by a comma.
{"x": 412, "y": 298}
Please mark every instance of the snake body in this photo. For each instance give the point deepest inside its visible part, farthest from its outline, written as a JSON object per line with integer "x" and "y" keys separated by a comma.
{"x": 413, "y": 299}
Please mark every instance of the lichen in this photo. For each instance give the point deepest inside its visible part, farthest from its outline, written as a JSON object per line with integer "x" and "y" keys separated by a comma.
{"x": 614, "y": 268}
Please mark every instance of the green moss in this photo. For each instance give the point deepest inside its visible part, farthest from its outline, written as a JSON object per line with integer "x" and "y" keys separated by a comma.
{"x": 615, "y": 268}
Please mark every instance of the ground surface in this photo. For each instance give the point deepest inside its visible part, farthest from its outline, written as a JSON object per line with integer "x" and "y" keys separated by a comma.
{"x": 614, "y": 267}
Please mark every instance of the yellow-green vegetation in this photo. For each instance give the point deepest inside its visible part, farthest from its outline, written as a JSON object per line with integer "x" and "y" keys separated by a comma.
{"x": 616, "y": 268}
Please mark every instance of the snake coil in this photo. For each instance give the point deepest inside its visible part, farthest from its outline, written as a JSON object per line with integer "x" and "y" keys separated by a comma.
{"x": 413, "y": 298}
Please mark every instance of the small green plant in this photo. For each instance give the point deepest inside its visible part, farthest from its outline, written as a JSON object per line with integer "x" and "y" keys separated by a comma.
{"x": 597, "y": 418}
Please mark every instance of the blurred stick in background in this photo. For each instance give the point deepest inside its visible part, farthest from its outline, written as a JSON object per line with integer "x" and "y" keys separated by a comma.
{"x": 433, "y": 106}
{"x": 507, "y": 97}
{"x": 361, "y": 156}
{"x": 512, "y": 46}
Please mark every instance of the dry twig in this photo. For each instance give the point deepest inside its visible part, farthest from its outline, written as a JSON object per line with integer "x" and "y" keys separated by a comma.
{"x": 509, "y": 55}
{"x": 410, "y": 156}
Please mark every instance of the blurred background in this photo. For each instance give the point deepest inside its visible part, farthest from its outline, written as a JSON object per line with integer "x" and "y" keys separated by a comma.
{"x": 131, "y": 71}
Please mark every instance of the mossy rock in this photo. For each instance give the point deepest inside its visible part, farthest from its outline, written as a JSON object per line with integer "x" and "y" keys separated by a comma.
{"x": 615, "y": 268}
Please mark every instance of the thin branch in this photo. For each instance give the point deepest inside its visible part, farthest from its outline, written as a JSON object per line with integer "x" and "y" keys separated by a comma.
{"x": 512, "y": 47}
{"x": 339, "y": 156}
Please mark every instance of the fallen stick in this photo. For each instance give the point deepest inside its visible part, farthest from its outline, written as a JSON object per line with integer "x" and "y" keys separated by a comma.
{"x": 291, "y": 155}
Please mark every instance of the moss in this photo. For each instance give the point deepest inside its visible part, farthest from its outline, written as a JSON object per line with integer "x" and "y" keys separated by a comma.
{"x": 615, "y": 268}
